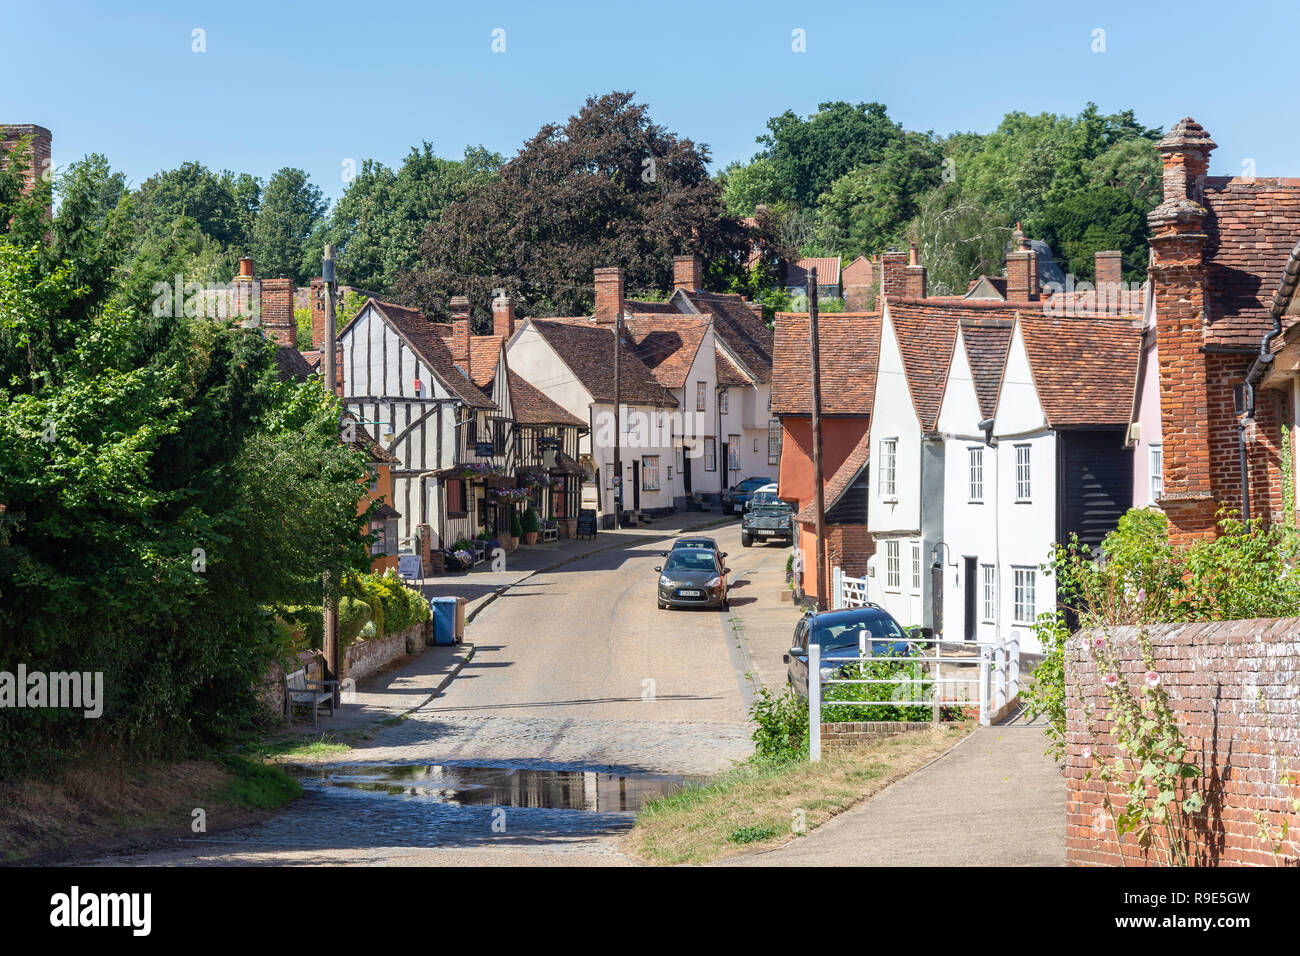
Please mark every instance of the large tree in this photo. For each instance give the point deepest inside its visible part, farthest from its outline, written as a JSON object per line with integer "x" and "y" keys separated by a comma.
{"x": 607, "y": 188}
{"x": 809, "y": 154}
{"x": 290, "y": 210}
{"x": 379, "y": 221}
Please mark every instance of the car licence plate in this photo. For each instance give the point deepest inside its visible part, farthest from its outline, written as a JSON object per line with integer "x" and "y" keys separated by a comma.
{"x": 689, "y": 593}
{"x": 739, "y": 506}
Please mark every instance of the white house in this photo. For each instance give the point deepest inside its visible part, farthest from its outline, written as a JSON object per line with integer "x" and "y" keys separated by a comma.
{"x": 905, "y": 508}
{"x": 571, "y": 362}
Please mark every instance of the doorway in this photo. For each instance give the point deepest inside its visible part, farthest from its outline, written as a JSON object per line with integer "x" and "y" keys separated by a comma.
{"x": 968, "y": 579}
{"x": 636, "y": 485}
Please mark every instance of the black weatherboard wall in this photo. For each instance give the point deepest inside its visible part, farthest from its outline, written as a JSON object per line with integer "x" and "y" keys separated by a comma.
{"x": 1094, "y": 483}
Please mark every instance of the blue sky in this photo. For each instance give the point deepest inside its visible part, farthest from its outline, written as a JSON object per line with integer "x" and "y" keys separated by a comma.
{"x": 314, "y": 85}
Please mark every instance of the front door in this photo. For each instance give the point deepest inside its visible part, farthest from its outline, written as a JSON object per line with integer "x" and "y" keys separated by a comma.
{"x": 686, "y": 471}
{"x": 969, "y": 575}
{"x": 636, "y": 485}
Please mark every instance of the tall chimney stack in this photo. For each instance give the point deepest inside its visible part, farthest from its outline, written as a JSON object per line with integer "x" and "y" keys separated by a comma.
{"x": 37, "y": 158}
{"x": 688, "y": 273}
{"x": 609, "y": 293}
{"x": 503, "y": 316}
{"x": 317, "y": 298}
{"x": 460, "y": 329}
{"x": 1022, "y": 269}
{"x": 914, "y": 276}
{"x": 893, "y": 273}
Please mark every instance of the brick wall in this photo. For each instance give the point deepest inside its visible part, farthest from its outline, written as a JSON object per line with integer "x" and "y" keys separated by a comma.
{"x": 363, "y": 658}
{"x": 277, "y": 311}
{"x": 847, "y": 734}
{"x": 849, "y": 546}
{"x": 893, "y": 273}
{"x": 1215, "y": 674}
{"x": 38, "y": 150}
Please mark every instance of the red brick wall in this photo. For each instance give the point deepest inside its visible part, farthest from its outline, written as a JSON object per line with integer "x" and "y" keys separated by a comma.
{"x": 277, "y": 311}
{"x": 1215, "y": 674}
{"x": 38, "y": 150}
{"x": 849, "y": 546}
{"x": 893, "y": 273}
{"x": 316, "y": 298}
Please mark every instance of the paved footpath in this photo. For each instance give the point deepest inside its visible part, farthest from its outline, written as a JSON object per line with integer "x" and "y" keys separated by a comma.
{"x": 993, "y": 800}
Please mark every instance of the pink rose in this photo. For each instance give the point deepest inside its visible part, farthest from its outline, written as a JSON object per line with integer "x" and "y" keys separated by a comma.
{"x": 1111, "y": 679}
{"x": 1087, "y": 753}
{"x": 1153, "y": 679}
{"x": 1142, "y": 595}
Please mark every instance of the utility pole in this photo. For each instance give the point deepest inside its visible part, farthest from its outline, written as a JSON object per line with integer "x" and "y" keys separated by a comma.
{"x": 330, "y": 611}
{"x": 818, "y": 479}
{"x": 618, "y": 428}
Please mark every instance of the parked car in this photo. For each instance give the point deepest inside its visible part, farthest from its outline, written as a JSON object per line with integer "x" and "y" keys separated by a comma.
{"x": 693, "y": 577}
{"x": 764, "y": 496}
{"x": 736, "y": 498}
{"x": 695, "y": 542}
{"x": 767, "y": 519}
{"x": 841, "y": 634}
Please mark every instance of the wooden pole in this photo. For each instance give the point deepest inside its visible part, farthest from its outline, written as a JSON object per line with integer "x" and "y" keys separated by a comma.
{"x": 331, "y": 634}
{"x": 818, "y": 477}
{"x": 618, "y": 429}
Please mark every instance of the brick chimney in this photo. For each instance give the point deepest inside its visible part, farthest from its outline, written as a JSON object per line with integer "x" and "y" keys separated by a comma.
{"x": 1178, "y": 280}
{"x": 503, "y": 316}
{"x": 1022, "y": 269}
{"x": 460, "y": 329}
{"x": 893, "y": 274}
{"x": 1108, "y": 269}
{"x": 609, "y": 293}
{"x": 277, "y": 311}
{"x": 338, "y": 370}
{"x": 317, "y": 297}
{"x": 38, "y": 152}
{"x": 688, "y": 273}
{"x": 914, "y": 277}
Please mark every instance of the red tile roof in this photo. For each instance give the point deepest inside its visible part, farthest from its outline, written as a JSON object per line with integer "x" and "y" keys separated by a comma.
{"x": 1251, "y": 228}
{"x": 727, "y": 371}
{"x": 588, "y": 350}
{"x": 926, "y": 337}
{"x": 1084, "y": 370}
{"x": 849, "y": 343}
{"x": 531, "y": 407}
{"x": 667, "y": 344}
{"x": 747, "y": 335}
{"x": 987, "y": 345}
{"x": 828, "y": 271}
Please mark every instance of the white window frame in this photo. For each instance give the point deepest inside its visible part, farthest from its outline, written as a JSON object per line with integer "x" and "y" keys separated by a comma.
{"x": 989, "y": 593}
{"x": 701, "y": 396}
{"x": 975, "y": 475}
{"x": 1024, "y": 594}
{"x": 1024, "y": 473}
{"x": 724, "y": 404}
{"x": 893, "y": 575}
{"x": 650, "y": 473}
{"x": 916, "y": 567}
{"x": 1157, "y": 463}
{"x": 733, "y": 452}
{"x": 888, "y": 469}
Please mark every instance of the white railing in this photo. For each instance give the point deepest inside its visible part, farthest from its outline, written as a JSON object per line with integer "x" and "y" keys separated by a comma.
{"x": 847, "y": 591}
{"x": 985, "y": 675}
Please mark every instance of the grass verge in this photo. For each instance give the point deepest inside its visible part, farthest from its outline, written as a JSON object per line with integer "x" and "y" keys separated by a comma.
{"x": 105, "y": 804}
{"x": 758, "y": 804}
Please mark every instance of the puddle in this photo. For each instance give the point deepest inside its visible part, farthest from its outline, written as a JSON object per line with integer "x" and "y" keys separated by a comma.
{"x": 499, "y": 786}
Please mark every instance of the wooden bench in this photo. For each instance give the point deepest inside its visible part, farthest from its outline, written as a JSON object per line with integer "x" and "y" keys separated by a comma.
{"x": 550, "y": 530}
{"x": 301, "y": 692}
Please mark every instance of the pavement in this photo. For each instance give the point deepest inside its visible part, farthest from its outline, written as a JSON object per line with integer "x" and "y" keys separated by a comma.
{"x": 994, "y": 799}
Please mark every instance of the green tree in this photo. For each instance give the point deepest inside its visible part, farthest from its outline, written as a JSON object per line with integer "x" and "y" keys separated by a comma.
{"x": 291, "y": 209}
{"x": 1094, "y": 218}
{"x": 746, "y": 186}
{"x": 809, "y": 154}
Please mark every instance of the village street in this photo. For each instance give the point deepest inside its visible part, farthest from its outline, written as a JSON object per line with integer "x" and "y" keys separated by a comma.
{"x": 578, "y": 679}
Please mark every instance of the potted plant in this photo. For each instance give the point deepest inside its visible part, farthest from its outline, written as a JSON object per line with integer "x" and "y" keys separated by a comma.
{"x": 531, "y": 526}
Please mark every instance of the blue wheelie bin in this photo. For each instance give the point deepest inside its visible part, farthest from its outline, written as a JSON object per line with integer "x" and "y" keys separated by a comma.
{"x": 444, "y": 619}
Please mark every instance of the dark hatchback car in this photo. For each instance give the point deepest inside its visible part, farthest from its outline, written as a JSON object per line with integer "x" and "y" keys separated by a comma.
{"x": 737, "y": 496}
{"x": 692, "y": 577}
{"x": 840, "y": 634}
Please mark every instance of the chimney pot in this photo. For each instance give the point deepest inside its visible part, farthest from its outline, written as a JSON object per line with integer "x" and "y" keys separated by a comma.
{"x": 503, "y": 316}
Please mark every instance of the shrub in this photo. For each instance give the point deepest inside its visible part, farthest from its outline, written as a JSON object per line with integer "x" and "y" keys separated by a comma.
{"x": 516, "y": 529}
{"x": 354, "y": 614}
{"x": 531, "y": 523}
{"x": 781, "y": 730}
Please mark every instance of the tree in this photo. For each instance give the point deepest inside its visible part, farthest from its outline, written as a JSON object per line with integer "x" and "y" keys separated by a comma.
{"x": 870, "y": 207}
{"x": 607, "y": 188}
{"x": 746, "y": 187}
{"x": 290, "y": 210}
{"x": 1094, "y": 218}
{"x": 377, "y": 225}
{"x": 808, "y": 155}
{"x": 195, "y": 192}
{"x": 959, "y": 239}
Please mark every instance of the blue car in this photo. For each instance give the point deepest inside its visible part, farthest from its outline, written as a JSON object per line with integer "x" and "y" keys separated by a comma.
{"x": 840, "y": 634}
{"x": 737, "y": 496}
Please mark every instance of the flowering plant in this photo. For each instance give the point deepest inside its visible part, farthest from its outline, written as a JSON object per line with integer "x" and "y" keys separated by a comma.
{"x": 540, "y": 479}
{"x": 508, "y": 494}
{"x": 480, "y": 469}
{"x": 1151, "y": 767}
